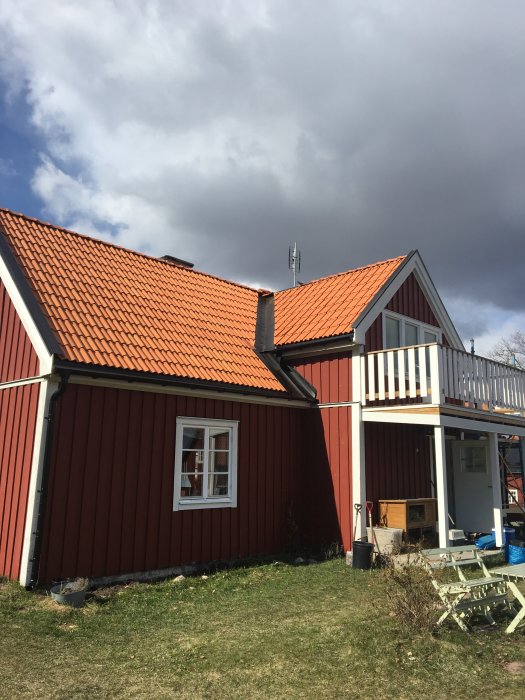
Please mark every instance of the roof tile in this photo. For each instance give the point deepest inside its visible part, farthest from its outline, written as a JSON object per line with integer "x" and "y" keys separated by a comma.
{"x": 114, "y": 307}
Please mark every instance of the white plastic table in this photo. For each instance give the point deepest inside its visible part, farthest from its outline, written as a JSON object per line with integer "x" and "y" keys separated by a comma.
{"x": 513, "y": 573}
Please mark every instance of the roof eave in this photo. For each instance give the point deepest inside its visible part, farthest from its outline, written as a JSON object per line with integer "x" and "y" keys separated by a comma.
{"x": 105, "y": 372}
{"x": 322, "y": 344}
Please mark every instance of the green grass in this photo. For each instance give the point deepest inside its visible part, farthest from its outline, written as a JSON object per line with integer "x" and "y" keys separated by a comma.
{"x": 273, "y": 631}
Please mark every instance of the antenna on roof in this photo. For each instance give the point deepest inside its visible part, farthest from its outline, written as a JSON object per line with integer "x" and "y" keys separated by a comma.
{"x": 294, "y": 261}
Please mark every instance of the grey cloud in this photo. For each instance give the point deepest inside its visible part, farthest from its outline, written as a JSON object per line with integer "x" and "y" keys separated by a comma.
{"x": 361, "y": 130}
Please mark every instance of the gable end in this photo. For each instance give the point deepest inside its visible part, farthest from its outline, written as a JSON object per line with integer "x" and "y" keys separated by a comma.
{"x": 410, "y": 292}
{"x": 27, "y": 307}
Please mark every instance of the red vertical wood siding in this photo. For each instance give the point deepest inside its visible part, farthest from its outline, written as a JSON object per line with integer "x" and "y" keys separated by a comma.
{"x": 18, "y": 410}
{"x": 110, "y": 497}
{"x": 409, "y": 300}
{"x": 397, "y": 461}
{"x": 330, "y": 375}
{"x": 18, "y": 359}
{"x": 328, "y": 499}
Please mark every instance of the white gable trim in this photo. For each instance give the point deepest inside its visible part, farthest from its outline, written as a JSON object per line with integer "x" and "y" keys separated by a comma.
{"x": 37, "y": 341}
{"x": 413, "y": 264}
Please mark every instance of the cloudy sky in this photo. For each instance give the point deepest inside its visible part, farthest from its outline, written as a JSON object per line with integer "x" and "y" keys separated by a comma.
{"x": 221, "y": 131}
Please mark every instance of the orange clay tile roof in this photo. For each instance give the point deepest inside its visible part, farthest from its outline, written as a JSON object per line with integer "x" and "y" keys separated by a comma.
{"x": 328, "y": 306}
{"x": 113, "y": 307}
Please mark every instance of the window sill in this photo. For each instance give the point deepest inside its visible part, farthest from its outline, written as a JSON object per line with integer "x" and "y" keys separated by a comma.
{"x": 199, "y": 504}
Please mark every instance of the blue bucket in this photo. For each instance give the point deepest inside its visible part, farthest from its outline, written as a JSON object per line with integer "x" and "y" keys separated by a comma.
{"x": 516, "y": 552}
{"x": 509, "y": 533}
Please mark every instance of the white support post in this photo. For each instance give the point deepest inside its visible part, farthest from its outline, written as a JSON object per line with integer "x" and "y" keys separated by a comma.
{"x": 496, "y": 488}
{"x": 358, "y": 469}
{"x": 441, "y": 484}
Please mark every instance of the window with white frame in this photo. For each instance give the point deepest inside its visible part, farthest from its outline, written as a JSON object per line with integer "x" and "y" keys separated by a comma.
{"x": 512, "y": 496}
{"x": 205, "y": 464}
{"x": 400, "y": 331}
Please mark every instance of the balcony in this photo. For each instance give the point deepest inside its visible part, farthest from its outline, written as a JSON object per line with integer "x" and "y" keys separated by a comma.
{"x": 439, "y": 375}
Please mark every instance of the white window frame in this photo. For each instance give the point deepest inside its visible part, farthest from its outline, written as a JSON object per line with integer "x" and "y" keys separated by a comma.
{"x": 512, "y": 497}
{"x": 205, "y": 501}
{"x": 421, "y": 328}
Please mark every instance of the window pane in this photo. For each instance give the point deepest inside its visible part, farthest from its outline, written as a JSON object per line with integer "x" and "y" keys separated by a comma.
{"x": 218, "y": 485}
{"x": 191, "y": 485}
{"x": 193, "y": 438}
{"x": 219, "y": 439}
{"x": 411, "y": 335}
{"x": 392, "y": 339}
{"x": 219, "y": 461}
{"x": 430, "y": 337}
{"x": 473, "y": 459}
{"x": 192, "y": 460}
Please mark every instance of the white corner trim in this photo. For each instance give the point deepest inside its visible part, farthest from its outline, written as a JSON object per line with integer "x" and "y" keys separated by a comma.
{"x": 48, "y": 388}
{"x": 45, "y": 359}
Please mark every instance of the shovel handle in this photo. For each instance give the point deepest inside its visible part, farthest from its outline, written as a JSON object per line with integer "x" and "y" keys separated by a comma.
{"x": 358, "y": 507}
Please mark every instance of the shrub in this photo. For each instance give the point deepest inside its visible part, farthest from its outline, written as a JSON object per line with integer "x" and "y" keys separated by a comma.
{"x": 410, "y": 596}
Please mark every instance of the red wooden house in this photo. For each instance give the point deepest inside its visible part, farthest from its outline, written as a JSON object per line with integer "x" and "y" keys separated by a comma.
{"x": 152, "y": 416}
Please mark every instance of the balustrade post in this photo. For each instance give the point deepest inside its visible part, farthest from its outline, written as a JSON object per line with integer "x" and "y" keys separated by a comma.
{"x": 436, "y": 373}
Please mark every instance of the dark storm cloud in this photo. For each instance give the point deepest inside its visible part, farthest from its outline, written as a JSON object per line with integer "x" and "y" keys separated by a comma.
{"x": 409, "y": 135}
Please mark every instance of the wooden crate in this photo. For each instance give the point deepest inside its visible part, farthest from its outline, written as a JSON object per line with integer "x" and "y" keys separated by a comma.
{"x": 408, "y": 514}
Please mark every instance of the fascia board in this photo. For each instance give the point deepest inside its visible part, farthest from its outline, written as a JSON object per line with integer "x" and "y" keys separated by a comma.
{"x": 28, "y": 308}
{"x": 175, "y": 390}
{"x": 412, "y": 264}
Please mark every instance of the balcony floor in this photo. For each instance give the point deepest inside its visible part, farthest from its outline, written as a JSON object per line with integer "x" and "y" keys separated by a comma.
{"x": 447, "y": 415}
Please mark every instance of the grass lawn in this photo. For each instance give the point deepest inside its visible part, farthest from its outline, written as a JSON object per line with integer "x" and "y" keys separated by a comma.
{"x": 273, "y": 631}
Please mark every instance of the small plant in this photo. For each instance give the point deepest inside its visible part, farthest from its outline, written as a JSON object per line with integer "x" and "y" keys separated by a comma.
{"x": 410, "y": 596}
{"x": 79, "y": 584}
{"x": 333, "y": 551}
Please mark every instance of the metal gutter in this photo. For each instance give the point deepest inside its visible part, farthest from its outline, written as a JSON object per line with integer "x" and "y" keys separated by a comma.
{"x": 319, "y": 342}
{"x": 97, "y": 371}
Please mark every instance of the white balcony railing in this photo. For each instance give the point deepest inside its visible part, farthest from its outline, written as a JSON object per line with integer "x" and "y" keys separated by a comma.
{"x": 437, "y": 374}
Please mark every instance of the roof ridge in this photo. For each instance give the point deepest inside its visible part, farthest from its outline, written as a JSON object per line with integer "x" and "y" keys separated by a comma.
{"x": 345, "y": 272}
{"x": 127, "y": 250}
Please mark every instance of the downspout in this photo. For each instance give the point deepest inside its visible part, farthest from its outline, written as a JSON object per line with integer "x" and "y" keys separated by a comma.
{"x": 42, "y": 493}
